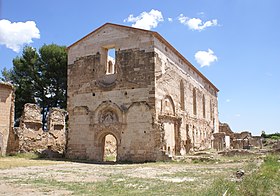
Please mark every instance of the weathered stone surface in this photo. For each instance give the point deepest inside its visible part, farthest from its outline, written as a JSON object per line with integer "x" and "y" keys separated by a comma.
{"x": 56, "y": 130}
{"x": 6, "y": 117}
{"x": 228, "y": 139}
{"x": 32, "y": 137}
{"x": 155, "y": 103}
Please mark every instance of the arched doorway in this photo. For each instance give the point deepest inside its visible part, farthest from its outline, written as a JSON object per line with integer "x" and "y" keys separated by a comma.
{"x": 110, "y": 150}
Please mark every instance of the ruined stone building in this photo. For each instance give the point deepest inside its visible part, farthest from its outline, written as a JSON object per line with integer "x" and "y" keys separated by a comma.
{"x": 6, "y": 115}
{"x": 132, "y": 84}
{"x": 227, "y": 139}
{"x": 29, "y": 136}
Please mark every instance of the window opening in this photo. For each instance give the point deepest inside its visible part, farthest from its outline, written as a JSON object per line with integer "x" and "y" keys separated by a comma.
{"x": 194, "y": 101}
{"x": 111, "y": 56}
{"x": 182, "y": 95}
{"x": 203, "y": 106}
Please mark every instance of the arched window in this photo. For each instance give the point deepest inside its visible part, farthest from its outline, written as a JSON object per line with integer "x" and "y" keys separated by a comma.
{"x": 203, "y": 106}
{"x": 194, "y": 102}
{"x": 182, "y": 95}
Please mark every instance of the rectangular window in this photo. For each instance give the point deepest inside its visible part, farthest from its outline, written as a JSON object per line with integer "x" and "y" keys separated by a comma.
{"x": 110, "y": 66}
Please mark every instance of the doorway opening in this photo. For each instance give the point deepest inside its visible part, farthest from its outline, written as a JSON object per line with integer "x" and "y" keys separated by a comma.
{"x": 110, "y": 148}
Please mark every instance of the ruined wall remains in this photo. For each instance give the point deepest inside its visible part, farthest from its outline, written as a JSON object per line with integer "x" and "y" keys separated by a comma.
{"x": 32, "y": 137}
{"x": 142, "y": 97}
{"x": 6, "y": 116}
{"x": 243, "y": 140}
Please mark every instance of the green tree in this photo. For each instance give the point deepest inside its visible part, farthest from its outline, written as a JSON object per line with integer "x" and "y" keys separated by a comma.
{"x": 6, "y": 75}
{"x": 39, "y": 77}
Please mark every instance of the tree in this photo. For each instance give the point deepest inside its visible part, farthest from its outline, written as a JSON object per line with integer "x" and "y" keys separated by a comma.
{"x": 39, "y": 77}
{"x": 6, "y": 75}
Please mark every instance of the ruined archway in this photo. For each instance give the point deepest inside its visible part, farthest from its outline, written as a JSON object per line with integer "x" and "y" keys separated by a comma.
{"x": 110, "y": 148}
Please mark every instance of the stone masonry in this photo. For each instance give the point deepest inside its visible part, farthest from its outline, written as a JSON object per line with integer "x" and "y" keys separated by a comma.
{"x": 6, "y": 116}
{"x": 32, "y": 137}
{"x": 154, "y": 102}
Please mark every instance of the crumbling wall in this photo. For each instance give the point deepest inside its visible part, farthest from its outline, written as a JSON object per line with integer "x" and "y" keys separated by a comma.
{"x": 218, "y": 141}
{"x": 56, "y": 130}
{"x": 32, "y": 137}
{"x": 243, "y": 140}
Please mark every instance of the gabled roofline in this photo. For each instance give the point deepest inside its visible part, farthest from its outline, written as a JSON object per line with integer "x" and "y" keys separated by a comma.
{"x": 112, "y": 24}
{"x": 159, "y": 37}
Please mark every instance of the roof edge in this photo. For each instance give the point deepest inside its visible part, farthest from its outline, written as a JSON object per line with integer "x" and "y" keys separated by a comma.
{"x": 112, "y": 24}
{"x": 158, "y": 36}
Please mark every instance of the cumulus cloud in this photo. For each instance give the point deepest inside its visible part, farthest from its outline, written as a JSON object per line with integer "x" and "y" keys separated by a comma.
{"x": 15, "y": 35}
{"x": 205, "y": 58}
{"x": 146, "y": 20}
{"x": 170, "y": 19}
{"x": 196, "y": 23}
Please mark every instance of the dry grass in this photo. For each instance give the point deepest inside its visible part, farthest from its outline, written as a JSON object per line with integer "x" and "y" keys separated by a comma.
{"x": 23, "y": 160}
{"x": 161, "y": 178}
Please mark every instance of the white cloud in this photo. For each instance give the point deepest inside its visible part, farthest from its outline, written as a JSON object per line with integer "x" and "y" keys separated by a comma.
{"x": 170, "y": 19}
{"x": 237, "y": 115}
{"x": 146, "y": 20}
{"x": 205, "y": 58}
{"x": 228, "y": 100}
{"x": 196, "y": 23}
{"x": 15, "y": 35}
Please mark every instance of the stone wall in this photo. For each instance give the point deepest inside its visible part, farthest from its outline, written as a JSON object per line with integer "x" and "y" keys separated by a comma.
{"x": 140, "y": 101}
{"x": 6, "y": 117}
{"x": 120, "y": 104}
{"x": 32, "y": 137}
{"x": 186, "y": 102}
{"x": 242, "y": 140}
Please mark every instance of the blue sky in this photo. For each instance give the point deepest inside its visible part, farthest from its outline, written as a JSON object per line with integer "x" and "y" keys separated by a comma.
{"x": 234, "y": 43}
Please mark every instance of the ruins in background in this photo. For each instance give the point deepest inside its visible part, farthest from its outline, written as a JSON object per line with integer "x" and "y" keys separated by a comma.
{"x": 227, "y": 139}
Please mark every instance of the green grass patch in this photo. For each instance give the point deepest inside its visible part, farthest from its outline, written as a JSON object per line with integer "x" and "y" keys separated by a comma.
{"x": 264, "y": 181}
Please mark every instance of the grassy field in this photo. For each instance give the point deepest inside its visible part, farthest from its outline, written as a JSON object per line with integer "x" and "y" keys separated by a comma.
{"x": 46, "y": 177}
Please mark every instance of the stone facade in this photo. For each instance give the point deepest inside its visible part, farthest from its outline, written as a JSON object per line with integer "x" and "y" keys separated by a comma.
{"x": 150, "y": 98}
{"x": 6, "y": 116}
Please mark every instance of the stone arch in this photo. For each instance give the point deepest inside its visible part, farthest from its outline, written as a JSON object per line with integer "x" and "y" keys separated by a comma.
{"x": 168, "y": 106}
{"x": 100, "y": 142}
{"x": 108, "y": 113}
